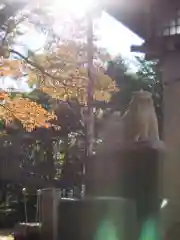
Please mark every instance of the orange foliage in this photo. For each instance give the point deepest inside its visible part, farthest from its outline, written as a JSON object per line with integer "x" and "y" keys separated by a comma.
{"x": 67, "y": 64}
{"x": 11, "y": 67}
{"x": 30, "y": 114}
{"x": 3, "y": 96}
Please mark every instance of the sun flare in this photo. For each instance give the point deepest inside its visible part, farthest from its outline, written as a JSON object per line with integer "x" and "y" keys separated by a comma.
{"x": 77, "y": 7}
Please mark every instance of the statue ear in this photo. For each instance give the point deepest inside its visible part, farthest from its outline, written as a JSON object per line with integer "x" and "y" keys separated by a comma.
{"x": 132, "y": 101}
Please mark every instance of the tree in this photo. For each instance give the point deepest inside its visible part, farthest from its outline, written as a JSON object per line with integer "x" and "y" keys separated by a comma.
{"x": 66, "y": 74}
{"x": 63, "y": 62}
{"x": 61, "y": 70}
{"x": 125, "y": 82}
{"x": 60, "y": 75}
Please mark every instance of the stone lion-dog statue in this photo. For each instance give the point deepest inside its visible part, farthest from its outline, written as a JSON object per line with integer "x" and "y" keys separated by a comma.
{"x": 139, "y": 122}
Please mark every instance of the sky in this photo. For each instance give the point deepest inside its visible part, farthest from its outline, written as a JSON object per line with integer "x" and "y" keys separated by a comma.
{"x": 116, "y": 37}
{"x": 113, "y": 36}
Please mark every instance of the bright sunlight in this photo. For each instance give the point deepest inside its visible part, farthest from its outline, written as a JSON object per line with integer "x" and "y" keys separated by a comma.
{"x": 77, "y": 7}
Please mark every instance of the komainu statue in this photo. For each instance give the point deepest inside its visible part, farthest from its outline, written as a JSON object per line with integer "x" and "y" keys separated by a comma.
{"x": 139, "y": 122}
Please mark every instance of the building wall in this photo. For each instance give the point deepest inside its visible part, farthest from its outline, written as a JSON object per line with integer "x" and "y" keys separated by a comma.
{"x": 171, "y": 169}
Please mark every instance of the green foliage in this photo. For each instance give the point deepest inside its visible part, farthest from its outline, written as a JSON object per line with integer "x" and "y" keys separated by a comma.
{"x": 117, "y": 70}
{"x": 12, "y": 95}
{"x": 147, "y": 78}
{"x": 1, "y": 124}
{"x": 41, "y": 98}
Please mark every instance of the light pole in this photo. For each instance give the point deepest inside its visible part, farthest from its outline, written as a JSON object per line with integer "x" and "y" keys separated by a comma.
{"x": 90, "y": 90}
{"x": 90, "y": 96}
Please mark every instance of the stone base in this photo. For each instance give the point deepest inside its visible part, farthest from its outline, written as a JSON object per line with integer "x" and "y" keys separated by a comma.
{"x": 133, "y": 172}
{"x": 97, "y": 218}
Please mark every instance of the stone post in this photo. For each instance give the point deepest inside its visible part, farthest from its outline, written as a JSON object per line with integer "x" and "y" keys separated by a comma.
{"x": 49, "y": 205}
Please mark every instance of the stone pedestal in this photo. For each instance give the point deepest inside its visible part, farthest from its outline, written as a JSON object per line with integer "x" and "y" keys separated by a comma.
{"x": 133, "y": 172}
{"x": 90, "y": 218}
{"x": 97, "y": 218}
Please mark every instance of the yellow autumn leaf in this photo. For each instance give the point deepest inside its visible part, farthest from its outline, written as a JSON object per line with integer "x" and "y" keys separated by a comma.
{"x": 67, "y": 64}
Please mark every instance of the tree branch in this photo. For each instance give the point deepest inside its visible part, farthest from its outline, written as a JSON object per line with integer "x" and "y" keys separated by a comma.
{"x": 37, "y": 66}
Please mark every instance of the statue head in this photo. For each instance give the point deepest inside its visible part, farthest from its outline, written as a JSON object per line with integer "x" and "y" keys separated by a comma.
{"x": 142, "y": 94}
{"x": 141, "y": 98}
